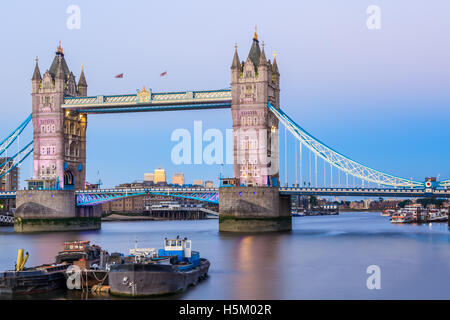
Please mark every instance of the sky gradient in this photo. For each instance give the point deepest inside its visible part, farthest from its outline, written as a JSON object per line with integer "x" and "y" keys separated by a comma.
{"x": 380, "y": 97}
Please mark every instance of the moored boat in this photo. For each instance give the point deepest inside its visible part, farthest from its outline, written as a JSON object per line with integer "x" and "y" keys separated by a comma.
{"x": 40, "y": 279}
{"x": 403, "y": 216}
{"x": 387, "y": 213}
{"x": 79, "y": 250}
{"x": 172, "y": 269}
{"x": 436, "y": 215}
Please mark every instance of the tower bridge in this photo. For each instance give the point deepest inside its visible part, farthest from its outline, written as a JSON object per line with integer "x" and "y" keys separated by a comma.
{"x": 56, "y": 198}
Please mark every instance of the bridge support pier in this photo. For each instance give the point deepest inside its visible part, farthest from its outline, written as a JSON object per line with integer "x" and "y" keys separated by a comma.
{"x": 254, "y": 209}
{"x": 53, "y": 210}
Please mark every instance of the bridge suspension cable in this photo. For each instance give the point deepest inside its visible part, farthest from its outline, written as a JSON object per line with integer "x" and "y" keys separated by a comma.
{"x": 445, "y": 183}
{"x": 15, "y": 160}
{"x": 339, "y": 161}
{"x": 14, "y": 135}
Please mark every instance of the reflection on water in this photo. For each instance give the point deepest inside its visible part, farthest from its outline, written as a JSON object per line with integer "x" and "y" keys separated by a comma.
{"x": 324, "y": 257}
{"x": 254, "y": 259}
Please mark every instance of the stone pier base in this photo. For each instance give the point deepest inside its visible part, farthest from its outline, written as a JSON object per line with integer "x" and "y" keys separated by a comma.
{"x": 53, "y": 210}
{"x": 254, "y": 209}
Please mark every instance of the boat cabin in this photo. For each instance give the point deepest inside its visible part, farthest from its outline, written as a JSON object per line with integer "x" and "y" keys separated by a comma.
{"x": 176, "y": 247}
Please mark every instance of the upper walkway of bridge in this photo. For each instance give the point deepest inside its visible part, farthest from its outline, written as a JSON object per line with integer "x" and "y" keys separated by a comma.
{"x": 146, "y": 100}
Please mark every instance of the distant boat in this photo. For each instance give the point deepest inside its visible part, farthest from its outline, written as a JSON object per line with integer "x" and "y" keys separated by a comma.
{"x": 404, "y": 215}
{"x": 387, "y": 212}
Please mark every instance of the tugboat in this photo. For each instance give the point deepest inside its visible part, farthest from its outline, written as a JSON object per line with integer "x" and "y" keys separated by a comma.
{"x": 171, "y": 270}
{"x": 79, "y": 250}
{"x": 89, "y": 261}
{"x": 40, "y": 279}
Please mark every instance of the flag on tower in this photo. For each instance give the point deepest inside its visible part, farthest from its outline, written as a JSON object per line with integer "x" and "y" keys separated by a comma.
{"x": 163, "y": 74}
{"x": 119, "y": 76}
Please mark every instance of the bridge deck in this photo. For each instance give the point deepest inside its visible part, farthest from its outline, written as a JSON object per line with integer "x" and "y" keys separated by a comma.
{"x": 98, "y": 196}
{"x": 374, "y": 192}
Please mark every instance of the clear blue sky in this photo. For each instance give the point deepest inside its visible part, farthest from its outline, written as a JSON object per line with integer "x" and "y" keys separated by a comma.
{"x": 379, "y": 96}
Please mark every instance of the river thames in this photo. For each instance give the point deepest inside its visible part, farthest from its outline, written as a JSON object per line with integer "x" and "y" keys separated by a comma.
{"x": 324, "y": 257}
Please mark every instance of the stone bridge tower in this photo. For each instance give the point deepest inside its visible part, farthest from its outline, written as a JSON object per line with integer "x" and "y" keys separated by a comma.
{"x": 255, "y": 205}
{"x": 59, "y": 135}
{"x": 254, "y": 83}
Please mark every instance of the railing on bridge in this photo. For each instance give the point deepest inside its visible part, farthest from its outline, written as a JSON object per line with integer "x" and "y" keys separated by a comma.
{"x": 6, "y": 220}
{"x": 374, "y": 192}
{"x": 98, "y": 196}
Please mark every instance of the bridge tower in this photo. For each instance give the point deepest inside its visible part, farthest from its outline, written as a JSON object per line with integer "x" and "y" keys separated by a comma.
{"x": 59, "y": 136}
{"x": 254, "y": 83}
{"x": 255, "y": 205}
{"x": 59, "y": 156}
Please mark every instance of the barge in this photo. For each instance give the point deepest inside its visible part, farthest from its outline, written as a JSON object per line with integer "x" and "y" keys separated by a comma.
{"x": 40, "y": 279}
{"x": 173, "y": 269}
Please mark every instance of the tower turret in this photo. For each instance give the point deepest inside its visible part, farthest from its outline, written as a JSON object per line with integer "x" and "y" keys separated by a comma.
{"x": 82, "y": 84}
{"x": 36, "y": 79}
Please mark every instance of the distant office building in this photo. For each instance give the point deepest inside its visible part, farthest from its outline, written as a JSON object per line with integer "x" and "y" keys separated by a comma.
{"x": 160, "y": 176}
{"x": 149, "y": 177}
{"x": 198, "y": 183}
{"x": 178, "y": 179}
{"x": 10, "y": 181}
{"x": 209, "y": 184}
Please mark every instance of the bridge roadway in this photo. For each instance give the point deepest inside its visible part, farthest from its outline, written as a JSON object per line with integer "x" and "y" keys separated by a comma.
{"x": 98, "y": 196}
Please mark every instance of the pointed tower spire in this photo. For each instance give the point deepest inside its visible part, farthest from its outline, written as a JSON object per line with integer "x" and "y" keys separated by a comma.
{"x": 59, "y": 49}
{"x": 36, "y": 73}
{"x": 236, "y": 64}
{"x": 59, "y": 70}
{"x": 262, "y": 57}
{"x": 255, "y": 51}
{"x": 274, "y": 64}
{"x": 82, "y": 81}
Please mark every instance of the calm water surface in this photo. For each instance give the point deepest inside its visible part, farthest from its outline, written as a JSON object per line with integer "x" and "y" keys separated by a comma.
{"x": 324, "y": 257}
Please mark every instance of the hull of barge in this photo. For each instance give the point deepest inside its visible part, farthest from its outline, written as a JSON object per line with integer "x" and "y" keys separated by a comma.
{"x": 141, "y": 280}
{"x": 31, "y": 282}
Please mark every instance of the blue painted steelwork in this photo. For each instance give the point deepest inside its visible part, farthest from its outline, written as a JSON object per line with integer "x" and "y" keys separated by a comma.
{"x": 98, "y": 196}
{"x": 372, "y": 192}
{"x": 96, "y": 199}
{"x": 13, "y": 136}
{"x": 178, "y": 107}
{"x": 444, "y": 184}
{"x": 7, "y": 194}
{"x": 148, "y": 101}
{"x": 16, "y": 159}
{"x": 205, "y": 197}
{"x": 340, "y": 161}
